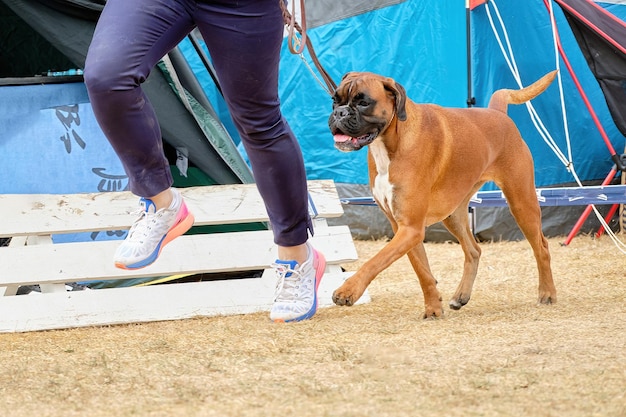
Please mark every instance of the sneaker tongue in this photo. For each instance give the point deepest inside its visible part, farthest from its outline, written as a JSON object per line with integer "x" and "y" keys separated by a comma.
{"x": 289, "y": 264}
{"x": 148, "y": 205}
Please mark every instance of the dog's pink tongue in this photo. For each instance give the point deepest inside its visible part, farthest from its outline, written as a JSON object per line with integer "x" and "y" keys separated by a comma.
{"x": 341, "y": 138}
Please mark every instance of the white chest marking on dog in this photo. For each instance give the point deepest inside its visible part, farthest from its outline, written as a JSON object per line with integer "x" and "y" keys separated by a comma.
{"x": 382, "y": 188}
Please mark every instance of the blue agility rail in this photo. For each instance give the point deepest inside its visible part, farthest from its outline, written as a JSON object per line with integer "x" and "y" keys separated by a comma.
{"x": 564, "y": 196}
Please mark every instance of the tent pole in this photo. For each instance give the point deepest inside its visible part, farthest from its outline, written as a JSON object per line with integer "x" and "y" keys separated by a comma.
{"x": 614, "y": 156}
{"x": 622, "y": 207}
{"x": 468, "y": 40}
{"x": 205, "y": 60}
{"x": 587, "y": 211}
{"x": 619, "y": 165}
{"x": 607, "y": 219}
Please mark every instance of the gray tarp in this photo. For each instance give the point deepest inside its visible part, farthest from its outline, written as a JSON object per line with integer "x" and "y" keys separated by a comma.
{"x": 69, "y": 24}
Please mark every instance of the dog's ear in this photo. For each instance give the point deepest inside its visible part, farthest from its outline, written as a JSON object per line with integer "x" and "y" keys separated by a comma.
{"x": 399, "y": 94}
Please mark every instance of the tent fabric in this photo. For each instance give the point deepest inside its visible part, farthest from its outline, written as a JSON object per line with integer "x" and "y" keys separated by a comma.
{"x": 69, "y": 34}
{"x": 530, "y": 33}
{"x": 210, "y": 125}
{"x": 19, "y": 41}
{"x": 321, "y": 12}
{"x": 475, "y": 3}
{"x": 420, "y": 43}
{"x": 550, "y": 197}
{"x": 55, "y": 142}
{"x": 69, "y": 24}
{"x": 56, "y": 146}
{"x": 83, "y": 9}
{"x": 602, "y": 40}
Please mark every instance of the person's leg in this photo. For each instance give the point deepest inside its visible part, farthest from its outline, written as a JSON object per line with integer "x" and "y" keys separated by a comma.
{"x": 130, "y": 38}
{"x": 244, "y": 40}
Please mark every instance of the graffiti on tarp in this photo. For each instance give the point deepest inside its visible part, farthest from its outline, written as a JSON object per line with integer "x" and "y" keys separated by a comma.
{"x": 110, "y": 182}
{"x": 69, "y": 117}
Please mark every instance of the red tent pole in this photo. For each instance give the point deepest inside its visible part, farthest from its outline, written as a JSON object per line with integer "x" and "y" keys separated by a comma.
{"x": 587, "y": 211}
{"x": 596, "y": 121}
{"x": 607, "y": 219}
{"x": 579, "y": 87}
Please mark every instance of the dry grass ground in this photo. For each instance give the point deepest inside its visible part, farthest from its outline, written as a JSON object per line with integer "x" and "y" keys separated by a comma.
{"x": 501, "y": 355}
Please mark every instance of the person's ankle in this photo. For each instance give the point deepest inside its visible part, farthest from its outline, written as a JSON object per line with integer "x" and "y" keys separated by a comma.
{"x": 164, "y": 199}
{"x": 299, "y": 253}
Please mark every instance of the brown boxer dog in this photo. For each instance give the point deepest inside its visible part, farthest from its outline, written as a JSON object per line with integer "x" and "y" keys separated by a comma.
{"x": 425, "y": 163}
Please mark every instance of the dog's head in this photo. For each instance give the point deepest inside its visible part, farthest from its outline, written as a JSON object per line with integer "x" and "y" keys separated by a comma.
{"x": 363, "y": 107}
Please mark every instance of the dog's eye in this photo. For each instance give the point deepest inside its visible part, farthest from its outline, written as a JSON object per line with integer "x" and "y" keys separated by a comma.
{"x": 361, "y": 100}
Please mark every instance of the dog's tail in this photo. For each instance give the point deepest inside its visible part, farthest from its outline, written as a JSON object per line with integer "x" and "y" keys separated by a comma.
{"x": 502, "y": 98}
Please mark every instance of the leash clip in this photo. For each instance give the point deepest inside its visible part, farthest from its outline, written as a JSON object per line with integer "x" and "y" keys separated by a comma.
{"x": 296, "y": 46}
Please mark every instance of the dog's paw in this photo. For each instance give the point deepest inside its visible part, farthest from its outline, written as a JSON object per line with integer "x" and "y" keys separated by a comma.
{"x": 547, "y": 299}
{"x": 457, "y": 302}
{"x": 433, "y": 312}
{"x": 344, "y": 296}
{"x": 546, "y": 293}
{"x": 343, "y": 300}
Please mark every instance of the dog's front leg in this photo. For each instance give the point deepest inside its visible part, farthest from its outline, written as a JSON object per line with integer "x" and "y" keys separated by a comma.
{"x": 432, "y": 297}
{"x": 351, "y": 290}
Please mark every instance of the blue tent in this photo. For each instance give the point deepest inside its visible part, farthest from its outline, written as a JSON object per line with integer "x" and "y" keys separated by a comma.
{"x": 423, "y": 45}
{"x": 420, "y": 43}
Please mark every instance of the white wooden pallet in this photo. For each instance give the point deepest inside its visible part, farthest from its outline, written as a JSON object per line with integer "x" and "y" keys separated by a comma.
{"x": 31, "y": 258}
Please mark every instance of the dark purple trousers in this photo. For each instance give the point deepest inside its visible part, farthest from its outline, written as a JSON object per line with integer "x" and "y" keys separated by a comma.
{"x": 244, "y": 38}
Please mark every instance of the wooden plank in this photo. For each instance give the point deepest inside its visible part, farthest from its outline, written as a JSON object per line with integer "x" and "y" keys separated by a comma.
{"x": 143, "y": 304}
{"x": 33, "y": 214}
{"x": 45, "y": 240}
{"x": 31, "y": 219}
{"x": 236, "y": 251}
{"x": 12, "y": 289}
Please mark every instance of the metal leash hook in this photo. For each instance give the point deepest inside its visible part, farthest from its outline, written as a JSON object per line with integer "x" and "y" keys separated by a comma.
{"x": 296, "y": 46}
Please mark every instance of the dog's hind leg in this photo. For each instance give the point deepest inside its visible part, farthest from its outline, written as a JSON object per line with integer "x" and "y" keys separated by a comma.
{"x": 458, "y": 224}
{"x": 522, "y": 200}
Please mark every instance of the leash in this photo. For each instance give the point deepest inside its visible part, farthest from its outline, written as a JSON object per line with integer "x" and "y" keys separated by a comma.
{"x": 296, "y": 46}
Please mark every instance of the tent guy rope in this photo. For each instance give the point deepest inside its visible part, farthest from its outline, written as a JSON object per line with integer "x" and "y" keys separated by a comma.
{"x": 543, "y": 131}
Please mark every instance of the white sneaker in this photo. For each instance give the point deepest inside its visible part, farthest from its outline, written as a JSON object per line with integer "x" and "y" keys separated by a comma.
{"x": 152, "y": 230}
{"x": 296, "y": 290}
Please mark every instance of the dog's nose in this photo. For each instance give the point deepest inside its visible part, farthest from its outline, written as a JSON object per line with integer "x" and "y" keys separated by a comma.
{"x": 341, "y": 112}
